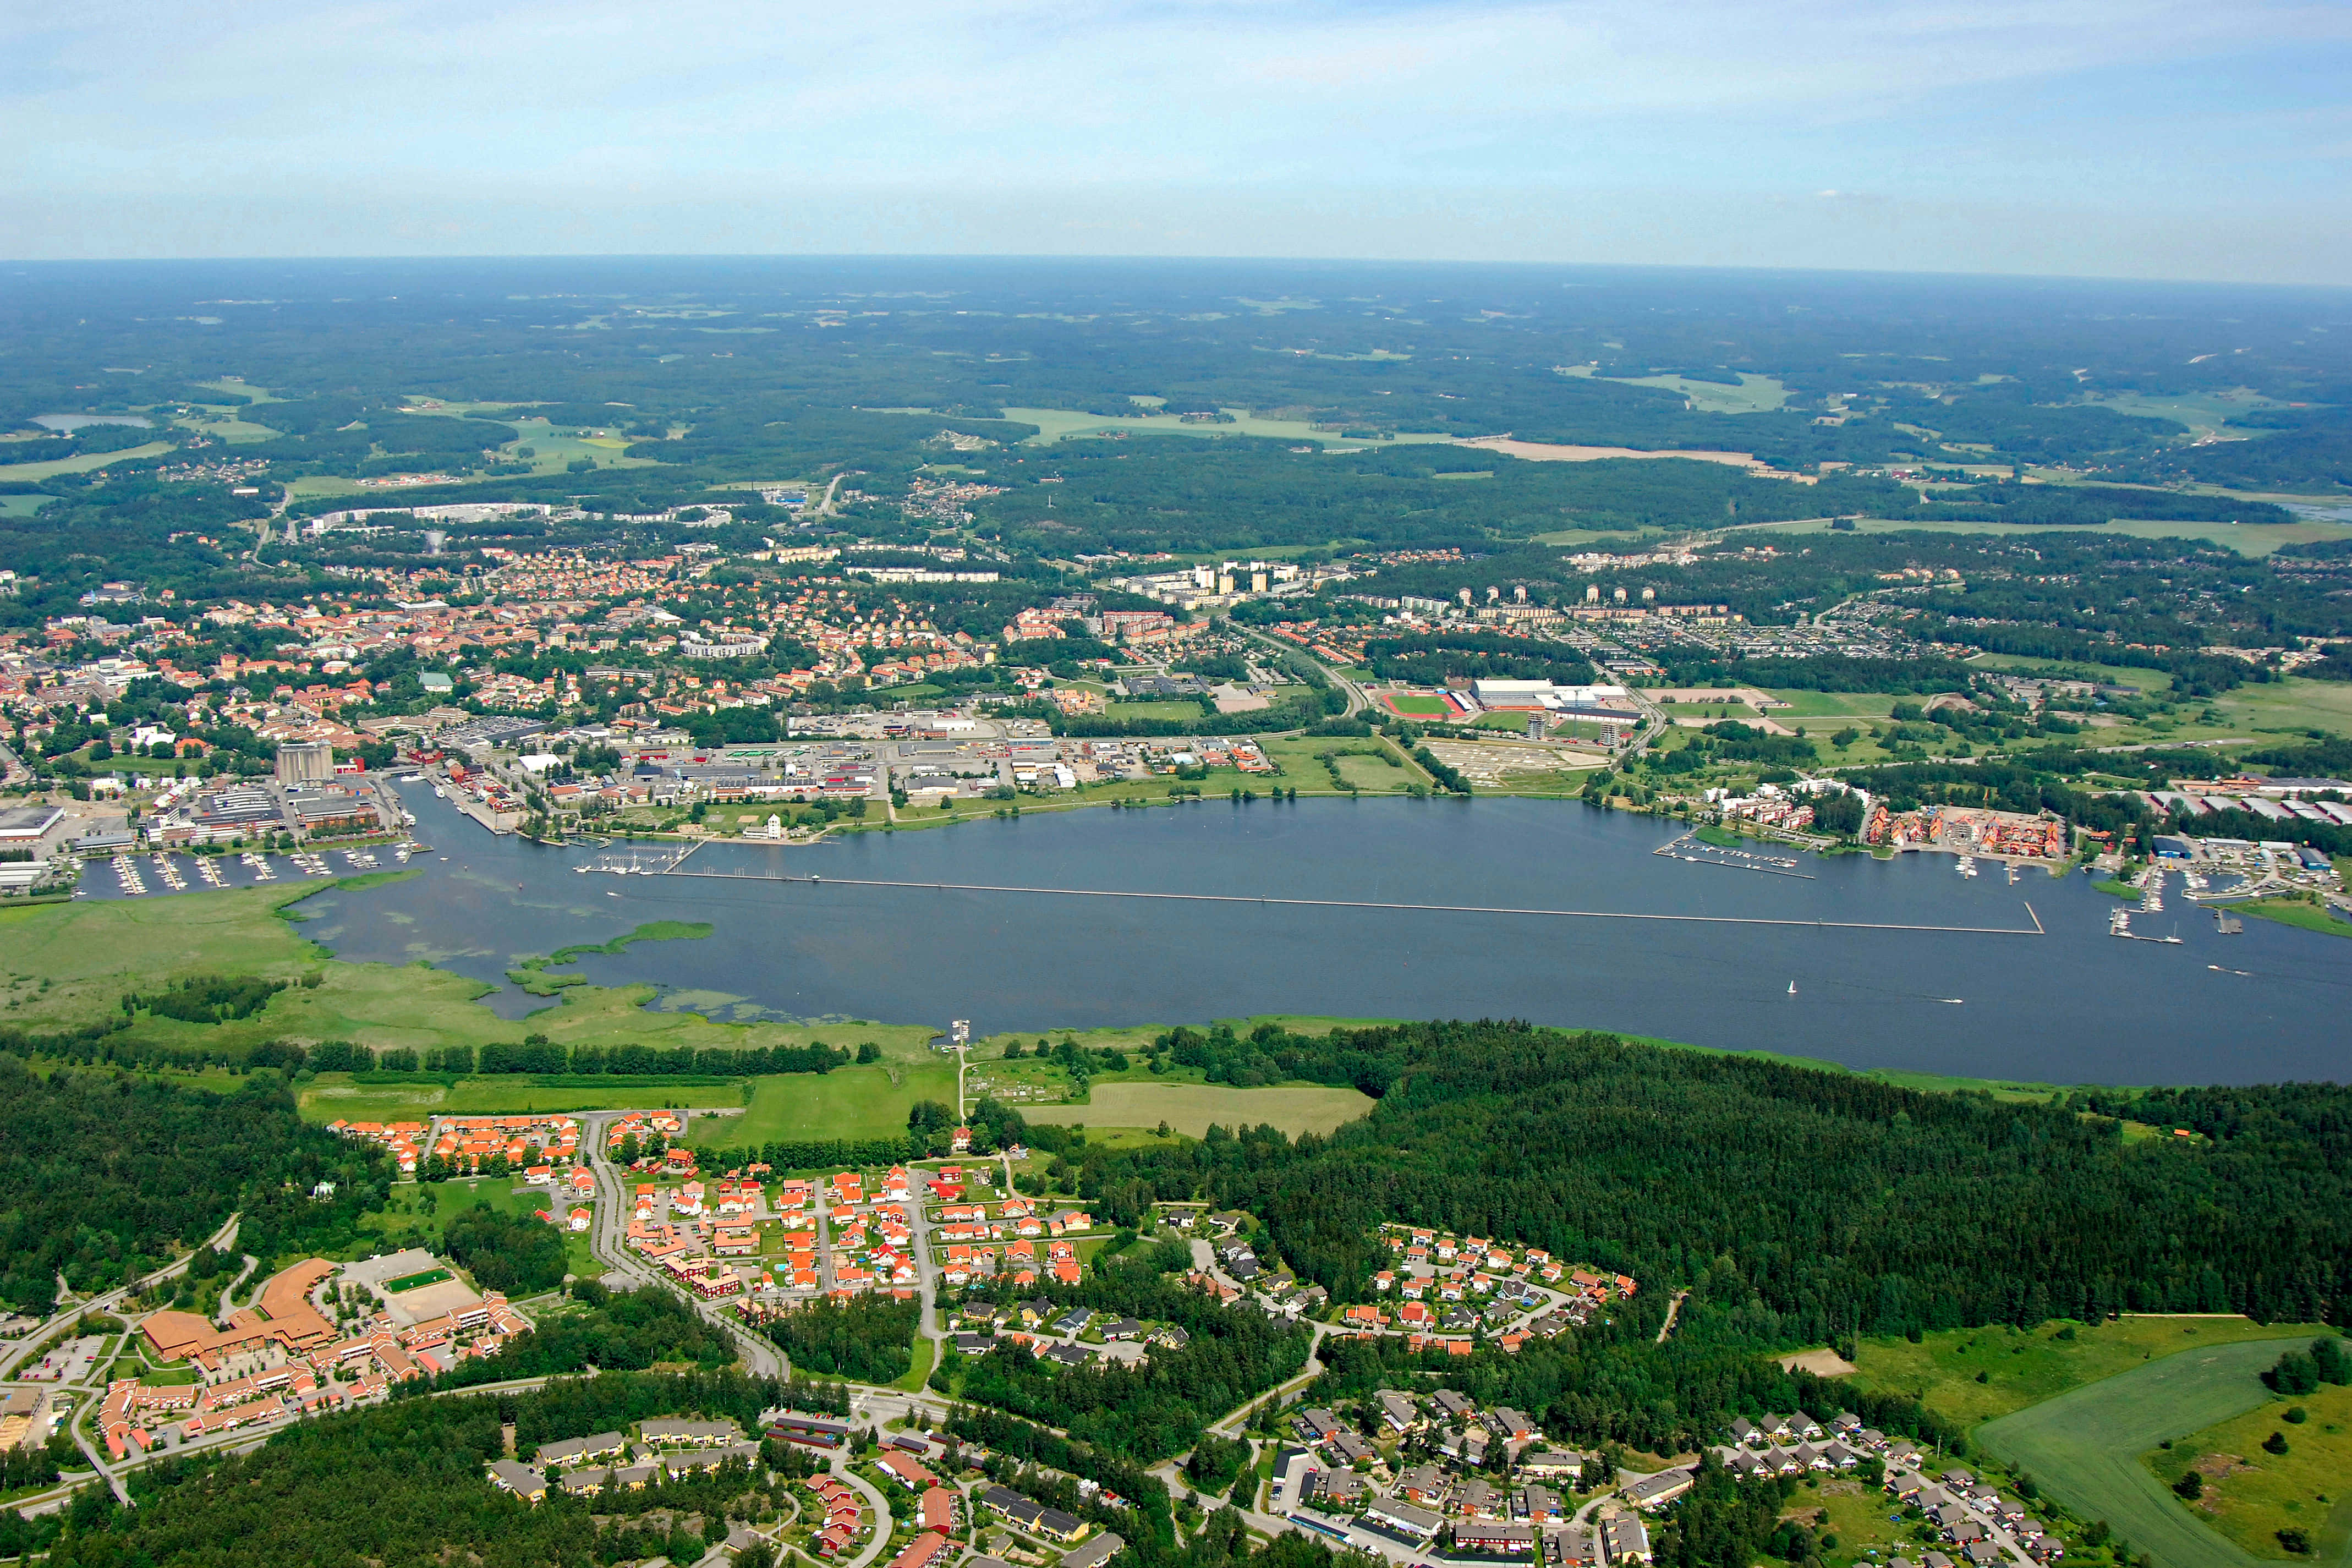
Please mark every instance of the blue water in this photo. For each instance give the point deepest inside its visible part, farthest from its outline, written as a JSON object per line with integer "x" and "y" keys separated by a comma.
{"x": 2073, "y": 1006}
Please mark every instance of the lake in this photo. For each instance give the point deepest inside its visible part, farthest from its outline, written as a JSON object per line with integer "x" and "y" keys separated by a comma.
{"x": 2075, "y": 1004}
{"x": 70, "y": 423}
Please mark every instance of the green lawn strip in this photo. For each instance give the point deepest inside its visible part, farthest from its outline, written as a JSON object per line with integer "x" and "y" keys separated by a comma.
{"x": 2304, "y": 916}
{"x": 849, "y": 1102}
{"x": 2084, "y": 1448}
{"x": 926, "y": 1350}
{"x": 2256, "y": 1493}
{"x": 1191, "y": 1107}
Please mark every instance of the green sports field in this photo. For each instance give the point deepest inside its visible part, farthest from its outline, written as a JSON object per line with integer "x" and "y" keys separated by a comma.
{"x": 1414, "y": 704}
{"x": 2084, "y": 1447}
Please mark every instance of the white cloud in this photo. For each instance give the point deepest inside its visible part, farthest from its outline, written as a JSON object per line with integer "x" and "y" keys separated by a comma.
{"x": 593, "y": 104}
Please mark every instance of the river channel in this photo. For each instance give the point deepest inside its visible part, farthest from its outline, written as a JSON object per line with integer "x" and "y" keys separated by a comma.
{"x": 2071, "y": 1005}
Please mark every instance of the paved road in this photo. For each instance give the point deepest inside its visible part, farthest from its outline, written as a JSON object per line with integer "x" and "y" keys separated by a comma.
{"x": 608, "y": 1238}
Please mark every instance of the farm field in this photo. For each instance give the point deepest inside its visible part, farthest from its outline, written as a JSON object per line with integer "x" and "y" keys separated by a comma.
{"x": 1061, "y": 424}
{"x": 1754, "y": 395}
{"x": 81, "y": 465}
{"x": 2024, "y": 1367}
{"x": 1189, "y": 1108}
{"x": 2084, "y": 1447}
{"x": 2251, "y": 1494}
{"x": 849, "y": 1102}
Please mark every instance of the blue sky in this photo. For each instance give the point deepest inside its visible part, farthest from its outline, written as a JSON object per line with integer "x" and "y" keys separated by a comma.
{"x": 2130, "y": 138}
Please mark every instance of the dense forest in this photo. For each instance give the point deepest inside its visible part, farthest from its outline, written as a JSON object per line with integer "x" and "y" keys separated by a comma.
{"x": 116, "y": 1174}
{"x": 869, "y": 1338}
{"x": 1822, "y": 1203}
{"x": 1149, "y": 1412}
{"x": 612, "y": 1331}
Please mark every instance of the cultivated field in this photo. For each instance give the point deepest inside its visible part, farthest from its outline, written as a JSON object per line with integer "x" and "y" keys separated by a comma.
{"x": 2084, "y": 1447}
{"x": 1189, "y": 1108}
{"x": 2023, "y": 1367}
{"x": 849, "y": 1102}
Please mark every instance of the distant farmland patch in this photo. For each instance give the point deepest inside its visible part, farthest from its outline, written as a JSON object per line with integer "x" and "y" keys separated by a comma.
{"x": 1189, "y": 1108}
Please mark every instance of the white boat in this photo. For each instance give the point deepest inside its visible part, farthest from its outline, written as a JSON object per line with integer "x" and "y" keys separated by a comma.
{"x": 1792, "y": 988}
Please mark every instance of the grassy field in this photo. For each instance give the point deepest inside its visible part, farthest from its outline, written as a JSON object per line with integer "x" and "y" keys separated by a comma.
{"x": 1754, "y": 395}
{"x": 1060, "y": 424}
{"x": 1190, "y": 712}
{"x": 2023, "y": 1367}
{"x": 417, "y": 1215}
{"x": 1189, "y": 1108}
{"x": 94, "y": 951}
{"x": 334, "y": 1095}
{"x": 2084, "y": 1447}
{"x": 81, "y": 465}
{"x": 1414, "y": 704}
{"x": 849, "y": 1102}
{"x": 2251, "y": 1494}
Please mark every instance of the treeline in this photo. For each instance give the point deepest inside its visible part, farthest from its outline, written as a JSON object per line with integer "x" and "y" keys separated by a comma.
{"x": 1835, "y": 1204}
{"x": 114, "y": 1174}
{"x": 206, "y": 999}
{"x": 620, "y": 1330}
{"x": 1433, "y": 659}
{"x": 1025, "y": 1442}
{"x": 1824, "y": 672}
{"x": 513, "y": 1253}
{"x": 868, "y": 1339}
{"x": 810, "y": 1154}
{"x": 544, "y": 1057}
{"x": 1149, "y": 1412}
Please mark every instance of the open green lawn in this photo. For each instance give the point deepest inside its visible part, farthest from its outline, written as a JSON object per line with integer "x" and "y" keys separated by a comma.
{"x": 849, "y": 1102}
{"x": 2084, "y": 1447}
{"x": 1187, "y": 711}
{"x": 84, "y": 464}
{"x": 2022, "y": 1367}
{"x": 1189, "y": 1108}
{"x": 1809, "y": 705}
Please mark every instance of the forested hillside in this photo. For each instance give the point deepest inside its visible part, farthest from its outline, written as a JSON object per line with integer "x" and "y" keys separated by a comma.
{"x": 1818, "y": 1204}
{"x": 110, "y": 1175}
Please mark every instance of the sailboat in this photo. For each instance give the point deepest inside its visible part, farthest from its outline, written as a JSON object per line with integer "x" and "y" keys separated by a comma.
{"x": 1792, "y": 988}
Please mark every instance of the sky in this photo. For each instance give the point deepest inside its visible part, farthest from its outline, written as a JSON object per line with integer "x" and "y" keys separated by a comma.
{"x": 2190, "y": 139}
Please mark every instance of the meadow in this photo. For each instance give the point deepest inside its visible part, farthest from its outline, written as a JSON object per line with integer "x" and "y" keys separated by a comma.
{"x": 2025, "y": 1367}
{"x": 2252, "y": 1494}
{"x": 2084, "y": 1447}
{"x": 847, "y": 1102}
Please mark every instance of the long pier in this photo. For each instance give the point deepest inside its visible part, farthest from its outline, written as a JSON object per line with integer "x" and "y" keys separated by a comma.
{"x": 2034, "y": 930}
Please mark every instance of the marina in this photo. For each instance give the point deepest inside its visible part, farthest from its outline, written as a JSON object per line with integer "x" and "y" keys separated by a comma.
{"x": 1691, "y": 850}
{"x": 1505, "y": 909}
